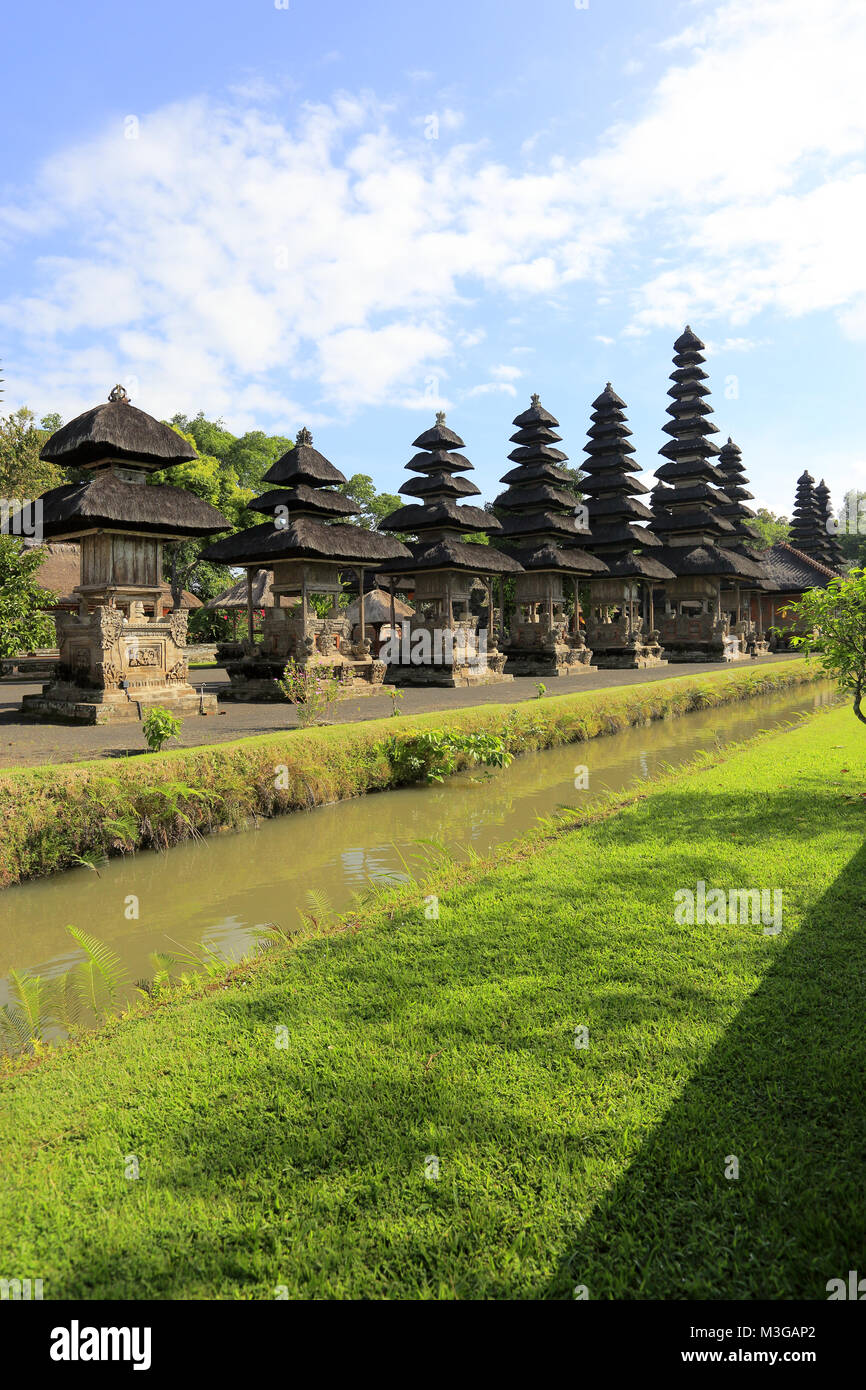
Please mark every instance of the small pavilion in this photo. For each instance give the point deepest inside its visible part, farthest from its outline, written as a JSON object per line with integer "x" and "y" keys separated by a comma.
{"x": 541, "y": 529}
{"x": 621, "y": 624}
{"x": 305, "y": 543}
{"x": 444, "y": 643}
{"x": 118, "y": 653}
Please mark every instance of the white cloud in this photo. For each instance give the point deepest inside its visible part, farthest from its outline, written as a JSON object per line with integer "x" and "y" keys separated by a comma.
{"x": 490, "y": 388}
{"x": 327, "y": 260}
{"x": 506, "y": 372}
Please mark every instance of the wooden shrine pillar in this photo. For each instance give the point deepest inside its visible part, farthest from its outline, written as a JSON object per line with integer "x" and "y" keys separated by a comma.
{"x": 304, "y": 605}
{"x": 250, "y": 620}
{"x": 502, "y": 606}
{"x": 393, "y": 611}
{"x": 361, "y": 602}
{"x": 576, "y": 627}
{"x": 489, "y": 611}
{"x": 550, "y": 606}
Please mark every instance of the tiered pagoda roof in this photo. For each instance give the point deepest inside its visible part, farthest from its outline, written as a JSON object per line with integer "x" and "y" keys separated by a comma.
{"x": 438, "y": 522}
{"x": 807, "y": 532}
{"x": 685, "y": 515}
{"x": 733, "y": 509}
{"x": 736, "y": 490}
{"x": 118, "y": 435}
{"x": 539, "y": 504}
{"x": 831, "y": 551}
{"x": 308, "y": 528}
{"x": 614, "y": 511}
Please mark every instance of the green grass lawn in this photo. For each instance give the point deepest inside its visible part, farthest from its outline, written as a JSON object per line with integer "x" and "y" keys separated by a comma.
{"x": 304, "y": 1165}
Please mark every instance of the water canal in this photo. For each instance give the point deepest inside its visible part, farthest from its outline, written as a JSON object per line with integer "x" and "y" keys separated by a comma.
{"x": 213, "y": 893}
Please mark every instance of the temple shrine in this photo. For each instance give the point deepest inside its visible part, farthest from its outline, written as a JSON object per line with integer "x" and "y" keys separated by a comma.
{"x": 445, "y": 642}
{"x": 693, "y": 625}
{"x": 621, "y": 622}
{"x": 305, "y": 545}
{"x": 539, "y": 521}
{"x": 118, "y": 654}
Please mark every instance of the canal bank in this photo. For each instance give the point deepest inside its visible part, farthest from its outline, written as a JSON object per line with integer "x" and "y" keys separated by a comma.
{"x": 211, "y": 897}
{"x": 55, "y": 817}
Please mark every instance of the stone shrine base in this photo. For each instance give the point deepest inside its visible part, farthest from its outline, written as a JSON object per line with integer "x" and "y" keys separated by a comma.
{"x": 627, "y": 659}
{"x": 548, "y": 663}
{"x": 65, "y": 703}
{"x": 450, "y": 677}
{"x": 257, "y": 679}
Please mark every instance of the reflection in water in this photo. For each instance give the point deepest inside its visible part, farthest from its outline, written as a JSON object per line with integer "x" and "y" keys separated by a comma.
{"x": 213, "y": 893}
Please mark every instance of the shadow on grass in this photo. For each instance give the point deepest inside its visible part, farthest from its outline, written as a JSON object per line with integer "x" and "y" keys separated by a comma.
{"x": 783, "y": 1093}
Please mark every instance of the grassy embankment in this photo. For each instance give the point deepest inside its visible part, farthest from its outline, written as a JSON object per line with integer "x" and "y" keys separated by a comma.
{"x": 297, "y": 1157}
{"x": 52, "y": 816}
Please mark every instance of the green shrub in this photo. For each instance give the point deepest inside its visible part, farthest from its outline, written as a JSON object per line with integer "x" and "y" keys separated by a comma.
{"x": 158, "y": 726}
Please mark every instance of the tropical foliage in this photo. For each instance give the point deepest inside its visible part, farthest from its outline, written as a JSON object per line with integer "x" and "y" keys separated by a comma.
{"x": 23, "y": 623}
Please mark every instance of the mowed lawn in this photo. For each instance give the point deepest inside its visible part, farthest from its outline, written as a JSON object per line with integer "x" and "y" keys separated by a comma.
{"x": 288, "y": 1127}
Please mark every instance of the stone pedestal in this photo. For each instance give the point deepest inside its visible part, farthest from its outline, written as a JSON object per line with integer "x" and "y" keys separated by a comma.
{"x": 621, "y": 646}
{"x": 536, "y": 649}
{"x": 114, "y": 665}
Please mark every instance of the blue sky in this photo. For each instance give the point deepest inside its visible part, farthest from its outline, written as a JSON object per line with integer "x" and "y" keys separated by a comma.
{"x": 347, "y": 214}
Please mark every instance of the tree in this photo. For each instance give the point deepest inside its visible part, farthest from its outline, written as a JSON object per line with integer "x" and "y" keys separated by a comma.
{"x": 23, "y": 475}
{"x": 23, "y": 622}
{"x": 373, "y": 506}
{"x": 773, "y": 528}
{"x": 852, "y": 524}
{"x": 213, "y": 481}
{"x": 835, "y": 623}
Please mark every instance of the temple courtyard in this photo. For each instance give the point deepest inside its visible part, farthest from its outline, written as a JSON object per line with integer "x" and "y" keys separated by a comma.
{"x": 26, "y": 742}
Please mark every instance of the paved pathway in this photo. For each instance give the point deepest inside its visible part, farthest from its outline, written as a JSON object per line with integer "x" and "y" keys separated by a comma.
{"x": 25, "y": 742}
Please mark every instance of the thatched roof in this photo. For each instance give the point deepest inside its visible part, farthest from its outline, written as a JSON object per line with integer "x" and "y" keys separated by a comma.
{"x": 641, "y": 566}
{"x": 552, "y": 557}
{"x": 377, "y": 608}
{"x": 540, "y": 523}
{"x": 305, "y": 539}
{"x": 439, "y": 482}
{"x": 103, "y": 500}
{"x": 303, "y": 464}
{"x": 710, "y": 560}
{"x": 537, "y": 495}
{"x": 454, "y": 555}
{"x": 444, "y": 515}
{"x": 540, "y": 472}
{"x": 116, "y": 430}
{"x": 302, "y": 499}
{"x": 535, "y": 415}
{"x": 439, "y": 436}
{"x": 439, "y": 460}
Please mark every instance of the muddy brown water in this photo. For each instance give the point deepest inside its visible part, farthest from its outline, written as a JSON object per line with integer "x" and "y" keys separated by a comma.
{"x": 215, "y": 892}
